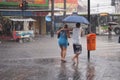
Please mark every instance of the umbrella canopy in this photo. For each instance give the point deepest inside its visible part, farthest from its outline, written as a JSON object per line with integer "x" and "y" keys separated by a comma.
{"x": 75, "y": 19}
{"x": 48, "y": 18}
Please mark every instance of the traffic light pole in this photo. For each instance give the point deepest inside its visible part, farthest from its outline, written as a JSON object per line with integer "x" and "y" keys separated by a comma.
{"x": 64, "y": 8}
{"x": 23, "y": 5}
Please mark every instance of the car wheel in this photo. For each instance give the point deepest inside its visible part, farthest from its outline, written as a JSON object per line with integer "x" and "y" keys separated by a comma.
{"x": 117, "y": 31}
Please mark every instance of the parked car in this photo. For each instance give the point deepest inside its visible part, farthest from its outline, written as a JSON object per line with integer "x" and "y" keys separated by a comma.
{"x": 116, "y": 29}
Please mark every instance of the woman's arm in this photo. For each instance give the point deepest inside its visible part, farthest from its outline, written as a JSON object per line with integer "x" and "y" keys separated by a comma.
{"x": 81, "y": 32}
{"x": 68, "y": 32}
{"x": 59, "y": 30}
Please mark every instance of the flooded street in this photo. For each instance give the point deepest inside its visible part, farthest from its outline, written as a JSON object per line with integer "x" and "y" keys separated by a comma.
{"x": 40, "y": 60}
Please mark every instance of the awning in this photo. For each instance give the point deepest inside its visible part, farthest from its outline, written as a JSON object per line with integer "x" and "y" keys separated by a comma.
{"x": 25, "y": 19}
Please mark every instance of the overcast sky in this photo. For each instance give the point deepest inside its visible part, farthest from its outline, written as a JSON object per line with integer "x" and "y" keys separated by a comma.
{"x": 99, "y": 5}
{"x": 96, "y": 2}
{"x": 107, "y": 2}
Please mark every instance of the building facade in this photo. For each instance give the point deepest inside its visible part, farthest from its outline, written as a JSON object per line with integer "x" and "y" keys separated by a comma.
{"x": 37, "y": 9}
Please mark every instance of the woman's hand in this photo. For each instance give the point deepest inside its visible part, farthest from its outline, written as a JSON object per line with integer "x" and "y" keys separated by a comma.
{"x": 60, "y": 30}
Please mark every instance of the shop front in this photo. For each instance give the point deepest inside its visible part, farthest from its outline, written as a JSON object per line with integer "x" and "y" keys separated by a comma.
{"x": 37, "y": 10}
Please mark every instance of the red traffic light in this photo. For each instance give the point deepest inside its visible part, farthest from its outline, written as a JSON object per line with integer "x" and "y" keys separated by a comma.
{"x": 23, "y": 5}
{"x": 20, "y": 5}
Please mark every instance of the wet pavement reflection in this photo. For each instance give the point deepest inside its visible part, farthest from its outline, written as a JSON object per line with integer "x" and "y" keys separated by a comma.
{"x": 62, "y": 74}
{"x": 76, "y": 73}
{"x": 27, "y": 62}
{"x": 53, "y": 69}
{"x": 90, "y": 71}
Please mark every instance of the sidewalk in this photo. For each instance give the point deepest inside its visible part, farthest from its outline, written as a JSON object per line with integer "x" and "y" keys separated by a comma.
{"x": 40, "y": 60}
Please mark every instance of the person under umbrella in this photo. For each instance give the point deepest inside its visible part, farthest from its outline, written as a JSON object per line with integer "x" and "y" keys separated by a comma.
{"x": 77, "y": 47}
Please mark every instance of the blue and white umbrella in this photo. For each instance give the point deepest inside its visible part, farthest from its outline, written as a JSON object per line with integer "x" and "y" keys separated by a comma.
{"x": 74, "y": 18}
{"x": 48, "y": 18}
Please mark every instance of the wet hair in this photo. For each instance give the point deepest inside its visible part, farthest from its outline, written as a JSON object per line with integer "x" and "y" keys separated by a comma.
{"x": 66, "y": 26}
{"x": 78, "y": 25}
{"x": 59, "y": 28}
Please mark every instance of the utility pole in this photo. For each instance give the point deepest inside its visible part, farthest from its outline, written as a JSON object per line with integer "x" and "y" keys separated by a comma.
{"x": 89, "y": 26}
{"x": 89, "y": 12}
{"x": 52, "y": 21}
{"x": 64, "y": 8}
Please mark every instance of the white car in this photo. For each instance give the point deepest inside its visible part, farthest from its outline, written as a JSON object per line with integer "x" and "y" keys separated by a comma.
{"x": 116, "y": 27}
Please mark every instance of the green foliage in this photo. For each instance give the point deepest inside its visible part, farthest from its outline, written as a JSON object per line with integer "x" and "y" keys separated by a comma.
{"x": 105, "y": 27}
{"x": 8, "y": 4}
{"x": 14, "y": 4}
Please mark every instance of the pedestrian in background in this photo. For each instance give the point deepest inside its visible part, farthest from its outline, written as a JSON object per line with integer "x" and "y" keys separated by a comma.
{"x": 77, "y": 47}
{"x": 109, "y": 31}
{"x": 63, "y": 35}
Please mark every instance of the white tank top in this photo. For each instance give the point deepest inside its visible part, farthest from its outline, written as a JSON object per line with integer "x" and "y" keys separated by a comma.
{"x": 77, "y": 35}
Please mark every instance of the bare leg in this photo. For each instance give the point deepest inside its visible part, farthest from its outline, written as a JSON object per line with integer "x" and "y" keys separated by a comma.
{"x": 73, "y": 59}
{"x": 64, "y": 52}
{"x": 77, "y": 58}
{"x": 61, "y": 53}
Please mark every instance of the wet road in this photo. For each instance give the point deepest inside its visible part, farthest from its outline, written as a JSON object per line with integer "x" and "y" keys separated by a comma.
{"x": 40, "y": 60}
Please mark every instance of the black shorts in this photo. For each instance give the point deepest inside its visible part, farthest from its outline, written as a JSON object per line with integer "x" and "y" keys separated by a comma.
{"x": 77, "y": 48}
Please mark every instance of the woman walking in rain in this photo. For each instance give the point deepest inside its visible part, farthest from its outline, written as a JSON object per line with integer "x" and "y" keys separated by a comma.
{"x": 64, "y": 34}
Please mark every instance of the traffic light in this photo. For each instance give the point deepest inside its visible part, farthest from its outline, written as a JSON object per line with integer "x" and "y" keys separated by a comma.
{"x": 23, "y": 5}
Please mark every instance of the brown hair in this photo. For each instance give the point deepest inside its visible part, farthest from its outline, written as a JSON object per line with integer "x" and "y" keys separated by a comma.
{"x": 66, "y": 26}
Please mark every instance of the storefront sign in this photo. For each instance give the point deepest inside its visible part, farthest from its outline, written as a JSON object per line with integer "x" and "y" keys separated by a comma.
{"x": 20, "y": 13}
{"x": 11, "y": 4}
